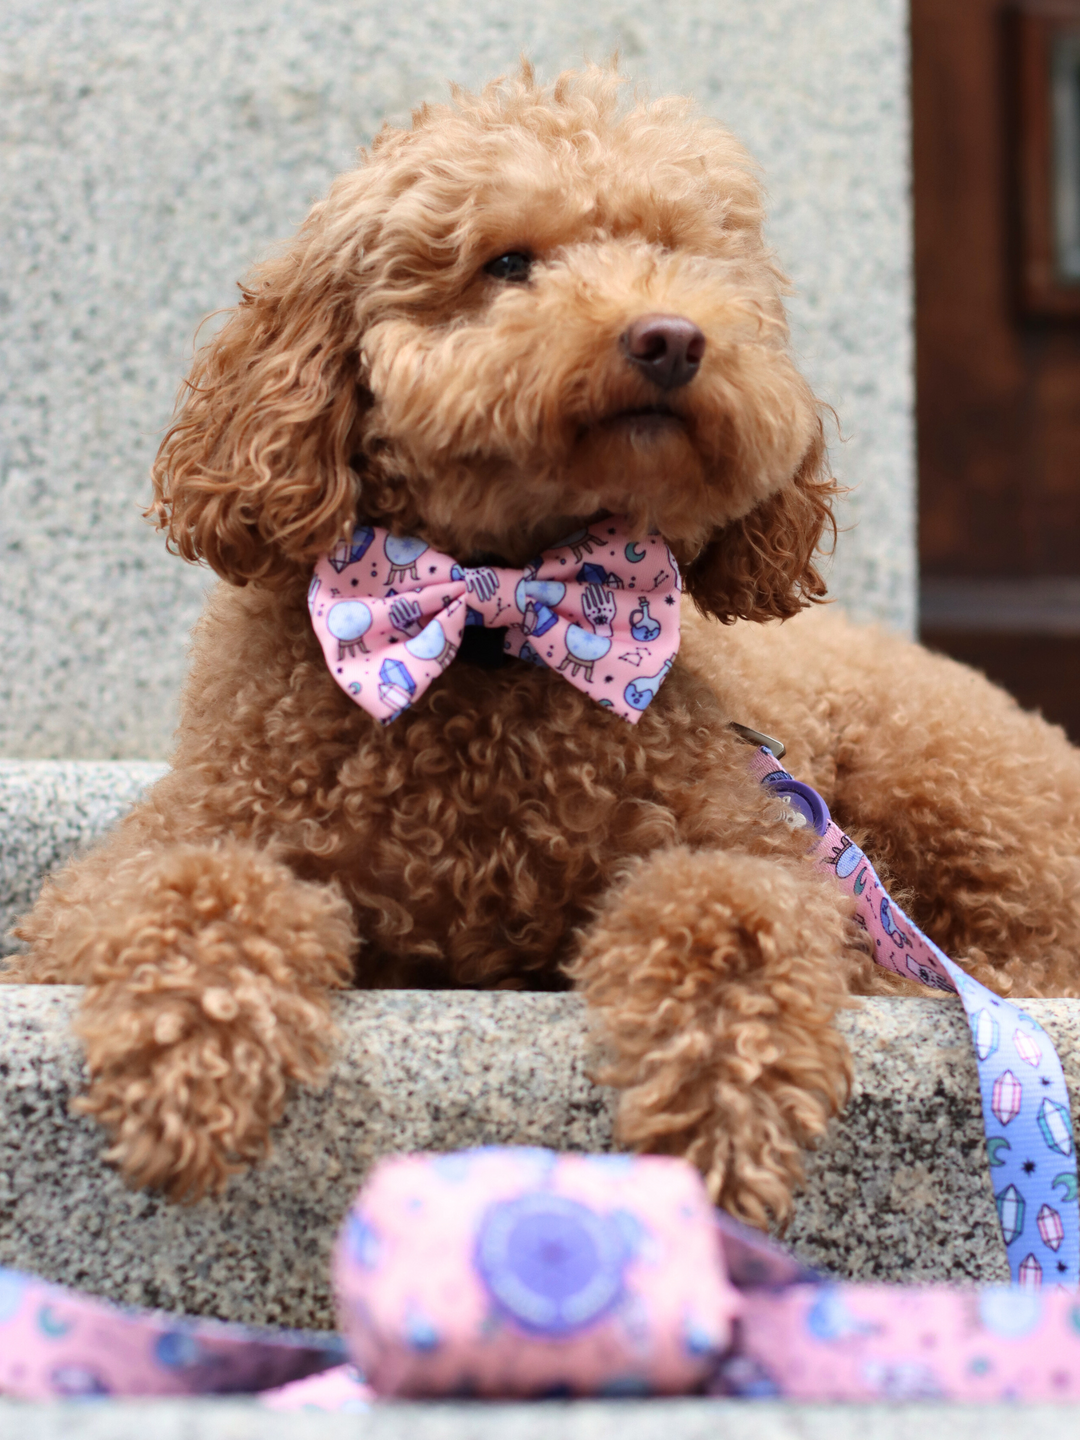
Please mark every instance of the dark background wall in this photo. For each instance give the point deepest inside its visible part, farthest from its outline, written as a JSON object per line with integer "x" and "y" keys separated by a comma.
{"x": 998, "y": 388}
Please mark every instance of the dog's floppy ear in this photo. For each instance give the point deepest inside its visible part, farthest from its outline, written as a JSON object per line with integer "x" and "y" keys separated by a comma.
{"x": 254, "y": 474}
{"x": 761, "y": 567}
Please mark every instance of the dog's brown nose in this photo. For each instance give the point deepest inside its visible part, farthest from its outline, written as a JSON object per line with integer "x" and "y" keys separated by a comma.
{"x": 665, "y": 348}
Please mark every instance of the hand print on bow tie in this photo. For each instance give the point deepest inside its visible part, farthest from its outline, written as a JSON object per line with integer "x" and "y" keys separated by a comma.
{"x": 598, "y": 607}
{"x": 482, "y": 582}
{"x": 406, "y": 616}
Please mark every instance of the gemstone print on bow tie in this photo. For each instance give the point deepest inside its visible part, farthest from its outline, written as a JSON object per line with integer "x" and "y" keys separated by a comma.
{"x": 600, "y": 609}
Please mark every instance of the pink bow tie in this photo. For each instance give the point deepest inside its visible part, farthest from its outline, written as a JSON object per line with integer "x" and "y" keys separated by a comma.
{"x": 601, "y": 608}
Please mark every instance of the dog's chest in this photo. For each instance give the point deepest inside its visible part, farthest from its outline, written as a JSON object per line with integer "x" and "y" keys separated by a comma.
{"x": 484, "y": 826}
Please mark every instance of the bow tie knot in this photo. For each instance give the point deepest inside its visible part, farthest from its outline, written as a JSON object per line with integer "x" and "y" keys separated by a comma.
{"x": 390, "y": 613}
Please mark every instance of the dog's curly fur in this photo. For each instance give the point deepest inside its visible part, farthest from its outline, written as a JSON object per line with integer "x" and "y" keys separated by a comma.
{"x": 507, "y": 831}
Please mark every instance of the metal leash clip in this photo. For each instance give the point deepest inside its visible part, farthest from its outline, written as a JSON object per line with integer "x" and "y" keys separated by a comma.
{"x": 776, "y": 748}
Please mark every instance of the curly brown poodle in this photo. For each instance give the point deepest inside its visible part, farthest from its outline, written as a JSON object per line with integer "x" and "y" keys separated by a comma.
{"x": 452, "y": 348}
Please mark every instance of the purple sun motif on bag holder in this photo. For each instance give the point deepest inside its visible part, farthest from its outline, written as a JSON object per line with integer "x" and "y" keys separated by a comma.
{"x": 551, "y": 1263}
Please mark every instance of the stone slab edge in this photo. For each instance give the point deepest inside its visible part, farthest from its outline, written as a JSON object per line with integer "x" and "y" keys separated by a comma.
{"x": 898, "y": 1191}
{"x": 689, "y": 1419}
{"x": 49, "y": 809}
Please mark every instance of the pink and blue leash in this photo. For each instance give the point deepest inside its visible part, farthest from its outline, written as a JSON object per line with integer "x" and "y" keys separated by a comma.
{"x": 1025, "y": 1101}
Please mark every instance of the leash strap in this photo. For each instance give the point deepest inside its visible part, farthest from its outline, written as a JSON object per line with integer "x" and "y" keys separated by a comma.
{"x": 1025, "y": 1102}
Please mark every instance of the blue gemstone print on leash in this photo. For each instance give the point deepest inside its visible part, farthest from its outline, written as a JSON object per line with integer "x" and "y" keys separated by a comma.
{"x": 1056, "y": 1127}
{"x": 1011, "y": 1208}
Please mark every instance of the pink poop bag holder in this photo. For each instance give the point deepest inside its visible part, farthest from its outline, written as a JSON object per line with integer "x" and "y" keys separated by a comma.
{"x": 523, "y": 1273}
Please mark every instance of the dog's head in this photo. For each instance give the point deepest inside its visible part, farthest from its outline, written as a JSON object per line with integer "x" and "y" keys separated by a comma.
{"x": 529, "y": 309}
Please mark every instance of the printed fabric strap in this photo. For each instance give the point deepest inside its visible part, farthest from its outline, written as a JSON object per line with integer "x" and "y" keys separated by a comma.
{"x": 1025, "y": 1102}
{"x": 601, "y": 609}
{"x": 639, "y": 1297}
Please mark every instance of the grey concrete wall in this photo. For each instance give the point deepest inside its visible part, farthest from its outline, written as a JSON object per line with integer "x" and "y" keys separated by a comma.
{"x": 150, "y": 151}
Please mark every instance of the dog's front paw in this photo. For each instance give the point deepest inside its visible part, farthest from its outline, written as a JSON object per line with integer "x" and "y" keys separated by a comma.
{"x": 189, "y": 1103}
{"x": 715, "y": 978}
{"x": 207, "y": 993}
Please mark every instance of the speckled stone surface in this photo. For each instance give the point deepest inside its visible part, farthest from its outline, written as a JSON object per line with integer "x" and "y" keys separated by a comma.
{"x": 414, "y": 1070}
{"x": 149, "y": 152}
{"x": 899, "y": 1191}
{"x": 48, "y": 811}
{"x": 540, "y": 1420}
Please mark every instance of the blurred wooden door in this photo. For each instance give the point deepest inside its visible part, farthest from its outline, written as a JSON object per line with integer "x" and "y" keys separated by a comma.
{"x": 998, "y": 384}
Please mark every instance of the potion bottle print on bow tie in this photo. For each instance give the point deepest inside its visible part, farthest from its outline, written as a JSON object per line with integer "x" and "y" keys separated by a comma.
{"x": 642, "y": 625}
{"x": 640, "y": 693}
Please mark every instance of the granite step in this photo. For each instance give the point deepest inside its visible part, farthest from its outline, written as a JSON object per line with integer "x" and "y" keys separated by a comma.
{"x": 690, "y": 1419}
{"x": 899, "y": 1190}
{"x": 50, "y": 809}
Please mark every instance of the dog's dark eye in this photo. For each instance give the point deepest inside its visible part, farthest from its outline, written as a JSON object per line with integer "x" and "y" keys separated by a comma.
{"x": 514, "y": 265}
